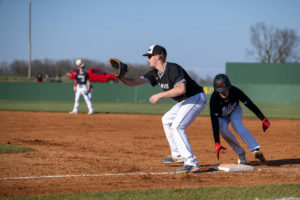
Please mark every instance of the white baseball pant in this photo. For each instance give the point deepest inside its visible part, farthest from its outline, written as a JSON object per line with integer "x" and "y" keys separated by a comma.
{"x": 82, "y": 90}
{"x": 175, "y": 122}
{"x": 236, "y": 122}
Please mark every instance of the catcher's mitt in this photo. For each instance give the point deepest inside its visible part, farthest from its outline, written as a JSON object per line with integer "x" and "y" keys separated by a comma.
{"x": 119, "y": 68}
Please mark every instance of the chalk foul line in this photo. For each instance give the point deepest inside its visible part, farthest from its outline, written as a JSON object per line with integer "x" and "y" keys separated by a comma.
{"x": 129, "y": 174}
{"x": 87, "y": 175}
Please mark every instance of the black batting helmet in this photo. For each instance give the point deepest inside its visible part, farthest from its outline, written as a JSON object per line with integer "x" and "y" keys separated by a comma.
{"x": 222, "y": 83}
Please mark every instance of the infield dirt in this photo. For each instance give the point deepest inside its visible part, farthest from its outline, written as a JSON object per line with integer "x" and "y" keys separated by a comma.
{"x": 102, "y": 144}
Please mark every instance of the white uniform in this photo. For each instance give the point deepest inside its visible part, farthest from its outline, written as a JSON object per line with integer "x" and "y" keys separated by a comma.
{"x": 176, "y": 120}
{"x": 183, "y": 113}
{"x": 82, "y": 90}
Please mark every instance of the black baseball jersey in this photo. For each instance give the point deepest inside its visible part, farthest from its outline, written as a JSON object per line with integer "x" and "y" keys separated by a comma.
{"x": 173, "y": 75}
{"x": 220, "y": 107}
{"x": 82, "y": 77}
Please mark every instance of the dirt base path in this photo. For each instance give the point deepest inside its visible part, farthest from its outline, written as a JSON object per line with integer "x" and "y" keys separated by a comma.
{"x": 104, "y": 152}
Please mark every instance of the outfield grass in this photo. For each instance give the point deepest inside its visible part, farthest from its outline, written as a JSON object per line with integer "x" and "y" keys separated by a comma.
{"x": 283, "y": 191}
{"x": 7, "y": 148}
{"x": 279, "y": 111}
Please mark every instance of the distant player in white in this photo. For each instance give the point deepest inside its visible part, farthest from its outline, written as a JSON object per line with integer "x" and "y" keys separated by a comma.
{"x": 191, "y": 100}
{"x": 82, "y": 87}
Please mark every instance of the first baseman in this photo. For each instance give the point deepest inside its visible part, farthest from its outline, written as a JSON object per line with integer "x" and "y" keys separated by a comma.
{"x": 225, "y": 109}
{"x": 82, "y": 87}
{"x": 190, "y": 98}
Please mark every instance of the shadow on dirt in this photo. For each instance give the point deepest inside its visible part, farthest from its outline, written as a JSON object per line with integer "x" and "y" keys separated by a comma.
{"x": 281, "y": 162}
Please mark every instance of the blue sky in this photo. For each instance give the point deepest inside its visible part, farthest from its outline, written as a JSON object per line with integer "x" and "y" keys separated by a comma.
{"x": 199, "y": 35}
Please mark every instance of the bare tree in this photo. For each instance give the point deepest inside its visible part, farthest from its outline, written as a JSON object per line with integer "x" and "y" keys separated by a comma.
{"x": 18, "y": 68}
{"x": 4, "y": 68}
{"x": 274, "y": 45}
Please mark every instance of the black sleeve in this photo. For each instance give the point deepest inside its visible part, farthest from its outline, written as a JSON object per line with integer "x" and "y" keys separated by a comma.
{"x": 76, "y": 77}
{"x": 249, "y": 104}
{"x": 150, "y": 76}
{"x": 177, "y": 75}
{"x": 214, "y": 118}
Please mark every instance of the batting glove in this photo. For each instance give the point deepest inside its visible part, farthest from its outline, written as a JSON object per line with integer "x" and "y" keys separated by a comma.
{"x": 219, "y": 148}
{"x": 265, "y": 124}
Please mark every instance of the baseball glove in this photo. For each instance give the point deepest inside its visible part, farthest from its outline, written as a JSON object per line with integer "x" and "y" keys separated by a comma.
{"x": 119, "y": 68}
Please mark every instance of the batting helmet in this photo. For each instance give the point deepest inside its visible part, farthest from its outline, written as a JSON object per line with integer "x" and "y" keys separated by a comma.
{"x": 221, "y": 83}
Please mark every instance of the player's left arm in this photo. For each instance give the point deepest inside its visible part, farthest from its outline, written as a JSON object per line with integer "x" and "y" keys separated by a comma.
{"x": 176, "y": 91}
{"x": 251, "y": 106}
{"x": 88, "y": 84}
{"x": 75, "y": 86}
{"x": 214, "y": 116}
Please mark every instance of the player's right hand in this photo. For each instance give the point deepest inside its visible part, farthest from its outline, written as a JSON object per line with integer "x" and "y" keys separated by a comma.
{"x": 265, "y": 124}
{"x": 155, "y": 98}
{"x": 219, "y": 148}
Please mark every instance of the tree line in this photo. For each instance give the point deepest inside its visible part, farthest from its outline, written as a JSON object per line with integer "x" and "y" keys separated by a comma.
{"x": 56, "y": 70}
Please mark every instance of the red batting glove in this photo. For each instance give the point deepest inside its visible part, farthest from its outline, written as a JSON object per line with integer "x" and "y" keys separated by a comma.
{"x": 218, "y": 149}
{"x": 265, "y": 124}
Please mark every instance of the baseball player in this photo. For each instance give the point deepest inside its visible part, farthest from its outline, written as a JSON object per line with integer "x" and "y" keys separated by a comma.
{"x": 82, "y": 87}
{"x": 225, "y": 109}
{"x": 191, "y": 100}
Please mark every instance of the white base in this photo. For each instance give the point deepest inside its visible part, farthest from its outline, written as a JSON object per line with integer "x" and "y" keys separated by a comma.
{"x": 232, "y": 167}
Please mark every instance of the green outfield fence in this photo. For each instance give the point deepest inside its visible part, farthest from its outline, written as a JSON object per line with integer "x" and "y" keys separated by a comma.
{"x": 259, "y": 93}
{"x": 267, "y": 83}
{"x": 263, "y": 83}
{"x": 264, "y": 73}
{"x": 103, "y": 92}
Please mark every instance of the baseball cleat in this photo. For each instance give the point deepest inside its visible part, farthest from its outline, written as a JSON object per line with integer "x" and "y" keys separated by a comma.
{"x": 259, "y": 155}
{"x": 90, "y": 113}
{"x": 242, "y": 159}
{"x": 187, "y": 169}
{"x": 72, "y": 112}
{"x": 171, "y": 160}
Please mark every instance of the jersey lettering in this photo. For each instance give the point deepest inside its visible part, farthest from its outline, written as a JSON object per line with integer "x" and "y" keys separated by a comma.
{"x": 81, "y": 77}
{"x": 226, "y": 110}
{"x": 164, "y": 86}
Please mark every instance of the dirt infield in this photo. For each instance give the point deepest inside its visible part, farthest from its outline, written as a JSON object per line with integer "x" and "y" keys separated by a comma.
{"x": 81, "y": 153}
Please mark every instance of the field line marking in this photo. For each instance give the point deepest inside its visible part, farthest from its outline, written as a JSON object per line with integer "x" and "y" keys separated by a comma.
{"x": 279, "y": 169}
{"x": 86, "y": 175}
{"x": 128, "y": 174}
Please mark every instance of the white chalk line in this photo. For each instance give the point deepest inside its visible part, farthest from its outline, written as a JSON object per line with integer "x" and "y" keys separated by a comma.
{"x": 130, "y": 174}
{"x": 87, "y": 175}
{"x": 279, "y": 169}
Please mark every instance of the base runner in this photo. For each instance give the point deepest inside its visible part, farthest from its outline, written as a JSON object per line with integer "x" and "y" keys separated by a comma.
{"x": 225, "y": 109}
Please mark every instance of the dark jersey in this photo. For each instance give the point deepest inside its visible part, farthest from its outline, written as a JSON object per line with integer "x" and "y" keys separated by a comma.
{"x": 172, "y": 76}
{"x": 81, "y": 78}
{"x": 220, "y": 107}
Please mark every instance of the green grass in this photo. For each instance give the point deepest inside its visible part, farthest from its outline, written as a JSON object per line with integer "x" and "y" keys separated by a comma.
{"x": 7, "y": 148}
{"x": 219, "y": 193}
{"x": 16, "y": 79}
{"x": 279, "y": 111}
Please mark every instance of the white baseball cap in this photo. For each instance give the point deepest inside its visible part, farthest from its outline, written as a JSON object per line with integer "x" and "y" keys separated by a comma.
{"x": 156, "y": 50}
